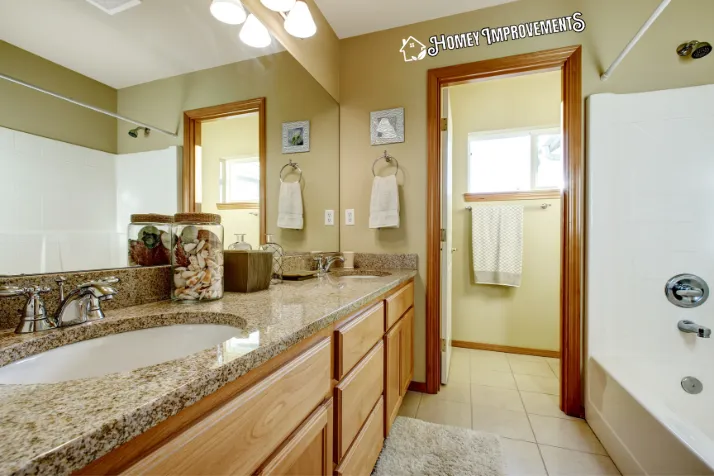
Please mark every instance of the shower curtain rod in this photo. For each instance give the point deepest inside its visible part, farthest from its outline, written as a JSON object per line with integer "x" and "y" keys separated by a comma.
{"x": 88, "y": 106}
{"x": 606, "y": 75}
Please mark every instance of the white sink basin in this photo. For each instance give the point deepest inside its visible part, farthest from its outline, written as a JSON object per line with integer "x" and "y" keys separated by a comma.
{"x": 117, "y": 353}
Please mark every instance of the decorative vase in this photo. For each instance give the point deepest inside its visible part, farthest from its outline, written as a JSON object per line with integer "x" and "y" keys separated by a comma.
{"x": 278, "y": 252}
{"x": 240, "y": 244}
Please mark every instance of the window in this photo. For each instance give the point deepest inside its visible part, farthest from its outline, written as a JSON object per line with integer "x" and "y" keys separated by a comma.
{"x": 239, "y": 180}
{"x": 519, "y": 161}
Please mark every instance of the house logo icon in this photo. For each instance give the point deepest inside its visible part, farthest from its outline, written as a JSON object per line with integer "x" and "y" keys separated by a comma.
{"x": 413, "y": 49}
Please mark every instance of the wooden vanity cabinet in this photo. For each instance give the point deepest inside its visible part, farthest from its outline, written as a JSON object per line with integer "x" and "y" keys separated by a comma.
{"x": 322, "y": 407}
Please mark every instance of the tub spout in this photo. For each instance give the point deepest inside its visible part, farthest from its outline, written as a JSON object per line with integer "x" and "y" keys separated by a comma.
{"x": 694, "y": 328}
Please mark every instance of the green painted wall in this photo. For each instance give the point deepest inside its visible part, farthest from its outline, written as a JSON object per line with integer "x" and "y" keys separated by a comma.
{"x": 25, "y": 110}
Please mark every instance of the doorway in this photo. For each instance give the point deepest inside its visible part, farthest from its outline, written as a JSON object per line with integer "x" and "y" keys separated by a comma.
{"x": 224, "y": 166}
{"x": 440, "y": 249}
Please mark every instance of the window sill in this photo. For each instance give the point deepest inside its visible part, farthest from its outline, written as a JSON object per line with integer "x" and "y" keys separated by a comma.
{"x": 503, "y": 196}
{"x": 238, "y": 206}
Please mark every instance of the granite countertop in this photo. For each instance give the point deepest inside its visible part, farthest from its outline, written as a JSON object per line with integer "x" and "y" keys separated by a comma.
{"x": 61, "y": 427}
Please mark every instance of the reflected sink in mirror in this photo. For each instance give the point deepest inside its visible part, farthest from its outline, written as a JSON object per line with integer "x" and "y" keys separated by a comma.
{"x": 124, "y": 352}
{"x": 360, "y": 274}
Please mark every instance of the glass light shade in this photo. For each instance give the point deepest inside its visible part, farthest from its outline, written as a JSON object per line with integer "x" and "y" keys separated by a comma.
{"x": 254, "y": 33}
{"x": 299, "y": 22}
{"x": 228, "y": 11}
{"x": 278, "y": 5}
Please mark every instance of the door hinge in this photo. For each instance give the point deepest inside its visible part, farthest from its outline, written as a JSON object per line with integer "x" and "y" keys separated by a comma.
{"x": 443, "y": 345}
{"x": 444, "y": 124}
{"x": 443, "y": 235}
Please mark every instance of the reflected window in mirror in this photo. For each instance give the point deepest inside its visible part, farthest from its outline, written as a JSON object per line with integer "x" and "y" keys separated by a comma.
{"x": 239, "y": 181}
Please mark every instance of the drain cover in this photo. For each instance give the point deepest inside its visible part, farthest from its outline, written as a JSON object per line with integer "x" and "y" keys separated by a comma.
{"x": 692, "y": 385}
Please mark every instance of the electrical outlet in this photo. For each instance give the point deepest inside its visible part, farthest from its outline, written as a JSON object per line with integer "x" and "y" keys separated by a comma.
{"x": 350, "y": 217}
{"x": 329, "y": 217}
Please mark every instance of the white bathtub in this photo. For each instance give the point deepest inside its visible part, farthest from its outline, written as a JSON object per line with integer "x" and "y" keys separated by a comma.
{"x": 646, "y": 421}
{"x": 649, "y": 218}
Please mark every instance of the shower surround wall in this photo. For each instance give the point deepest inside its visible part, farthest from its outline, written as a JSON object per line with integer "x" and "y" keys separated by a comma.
{"x": 651, "y": 187}
{"x": 71, "y": 204}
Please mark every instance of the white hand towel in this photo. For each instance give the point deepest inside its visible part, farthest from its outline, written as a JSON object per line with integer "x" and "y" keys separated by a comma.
{"x": 497, "y": 233}
{"x": 290, "y": 206}
{"x": 384, "y": 205}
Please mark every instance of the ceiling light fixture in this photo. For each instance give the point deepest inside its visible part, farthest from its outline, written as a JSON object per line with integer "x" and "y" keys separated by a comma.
{"x": 228, "y": 11}
{"x": 299, "y": 22}
{"x": 278, "y": 5}
{"x": 254, "y": 33}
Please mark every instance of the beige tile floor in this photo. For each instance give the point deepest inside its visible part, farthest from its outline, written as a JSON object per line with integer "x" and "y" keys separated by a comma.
{"x": 516, "y": 397}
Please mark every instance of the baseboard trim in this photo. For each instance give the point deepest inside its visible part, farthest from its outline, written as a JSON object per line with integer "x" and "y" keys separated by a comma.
{"x": 505, "y": 348}
{"x": 418, "y": 387}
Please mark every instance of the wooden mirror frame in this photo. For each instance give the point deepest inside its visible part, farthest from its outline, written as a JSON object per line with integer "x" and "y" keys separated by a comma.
{"x": 192, "y": 121}
{"x": 569, "y": 61}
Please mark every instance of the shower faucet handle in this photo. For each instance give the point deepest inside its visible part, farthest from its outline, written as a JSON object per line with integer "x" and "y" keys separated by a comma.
{"x": 684, "y": 290}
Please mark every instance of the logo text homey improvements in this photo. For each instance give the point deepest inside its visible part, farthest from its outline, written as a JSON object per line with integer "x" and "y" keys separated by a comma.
{"x": 469, "y": 39}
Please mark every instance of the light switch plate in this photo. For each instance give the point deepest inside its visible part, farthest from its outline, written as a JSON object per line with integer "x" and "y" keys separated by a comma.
{"x": 350, "y": 216}
{"x": 329, "y": 217}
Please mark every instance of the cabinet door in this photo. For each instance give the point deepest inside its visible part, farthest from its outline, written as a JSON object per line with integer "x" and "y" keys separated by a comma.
{"x": 239, "y": 436}
{"x": 392, "y": 380}
{"x": 309, "y": 451}
{"x": 407, "y": 351}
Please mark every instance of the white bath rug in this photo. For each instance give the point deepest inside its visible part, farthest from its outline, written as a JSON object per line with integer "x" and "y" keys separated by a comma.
{"x": 416, "y": 447}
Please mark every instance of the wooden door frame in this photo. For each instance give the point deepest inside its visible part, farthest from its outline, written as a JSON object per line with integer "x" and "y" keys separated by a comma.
{"x": 569, "y": 61}
{"x": 192, "y": 136}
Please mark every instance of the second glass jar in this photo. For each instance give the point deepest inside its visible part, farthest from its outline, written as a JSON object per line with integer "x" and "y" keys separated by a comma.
{"x": 197, "y": 257}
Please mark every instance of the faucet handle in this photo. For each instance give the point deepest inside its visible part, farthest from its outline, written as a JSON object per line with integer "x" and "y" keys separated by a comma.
{"x": 100, "y": 282}
{"x": 12, "y": 291}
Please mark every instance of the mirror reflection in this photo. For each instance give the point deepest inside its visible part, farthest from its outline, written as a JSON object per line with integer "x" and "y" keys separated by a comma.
{"x": 77, "y": 184}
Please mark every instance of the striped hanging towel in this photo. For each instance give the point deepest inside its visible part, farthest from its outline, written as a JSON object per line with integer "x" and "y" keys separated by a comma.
{"x": 497, "y": 234}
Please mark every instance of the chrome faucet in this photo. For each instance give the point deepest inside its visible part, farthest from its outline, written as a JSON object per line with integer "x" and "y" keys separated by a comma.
{"x": 84, "y": 302}
{"x": 80, "y": 305}
{"x": 324, "y": 263}
{"x": 690, "y": 327}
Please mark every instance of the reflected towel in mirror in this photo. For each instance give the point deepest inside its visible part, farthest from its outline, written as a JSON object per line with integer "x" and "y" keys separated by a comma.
{"x": 290, "y": 206}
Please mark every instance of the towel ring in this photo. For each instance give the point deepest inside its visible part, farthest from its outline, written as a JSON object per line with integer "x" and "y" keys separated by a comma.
{"x": 389, "y": 160}
{"x": 295, "y": 166}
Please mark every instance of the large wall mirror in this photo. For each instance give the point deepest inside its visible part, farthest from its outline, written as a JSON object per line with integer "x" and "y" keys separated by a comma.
{"x": 224, "y": 120}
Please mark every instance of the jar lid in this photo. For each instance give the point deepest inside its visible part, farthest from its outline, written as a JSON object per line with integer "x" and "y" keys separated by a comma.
{"x": 151, "y": 218}
{"x": 197, "y": 218}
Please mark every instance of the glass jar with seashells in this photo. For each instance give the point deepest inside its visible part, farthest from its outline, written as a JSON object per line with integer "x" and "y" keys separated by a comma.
{"x": 197, "y": 257}
{"x": 149, "y": 240}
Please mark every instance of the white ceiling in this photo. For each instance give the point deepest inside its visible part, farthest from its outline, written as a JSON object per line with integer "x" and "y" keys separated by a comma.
{"x": 357, "y": 17}
{"x": 157, "y": 39}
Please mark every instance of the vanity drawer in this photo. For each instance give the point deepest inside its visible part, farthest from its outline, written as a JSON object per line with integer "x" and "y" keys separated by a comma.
{"x": 355, "y": 337}
{"x": 243, "y": 433}
{"x": 361, "y": 458}
{"x": 355, "y": 397}
{"x": 398, "y": 303}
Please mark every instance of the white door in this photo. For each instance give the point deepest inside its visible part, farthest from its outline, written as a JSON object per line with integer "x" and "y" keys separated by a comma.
{"x": 447, "y": 243}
